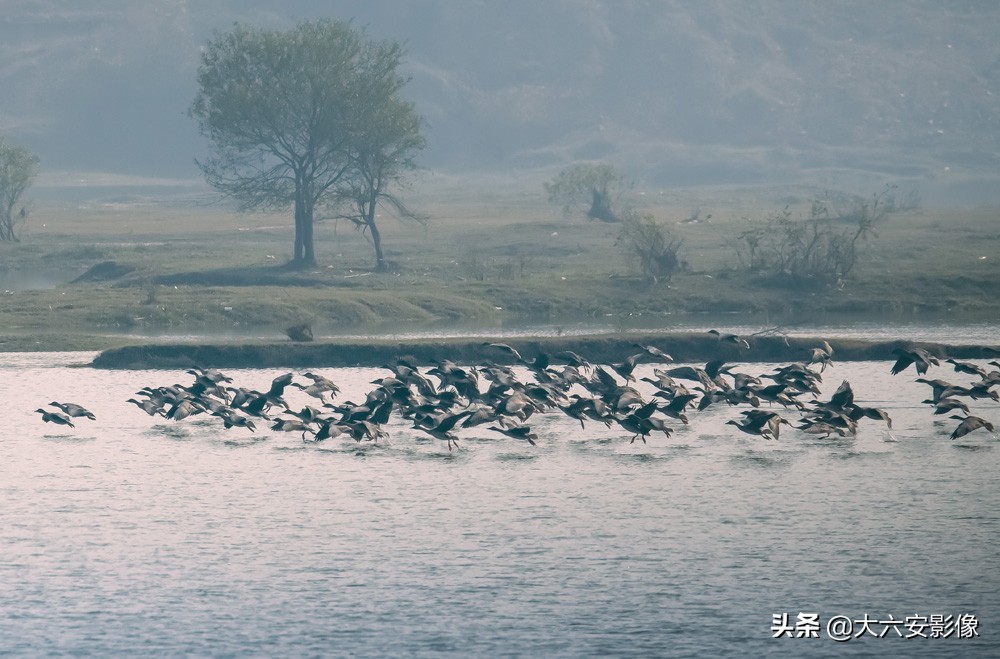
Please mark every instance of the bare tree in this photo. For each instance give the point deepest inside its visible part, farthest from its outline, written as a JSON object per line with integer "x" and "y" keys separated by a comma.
{"x": 651, "y": 244}
{"x": 818, "y": 250}
{"x": 380, "y": 159}
{"x": 18, "y": 169}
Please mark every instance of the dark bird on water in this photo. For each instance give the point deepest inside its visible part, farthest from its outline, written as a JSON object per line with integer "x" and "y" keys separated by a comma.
{"x": 517, "y": 432}
{"x": 764, "y": 423}
{"x": 822, "y": 428}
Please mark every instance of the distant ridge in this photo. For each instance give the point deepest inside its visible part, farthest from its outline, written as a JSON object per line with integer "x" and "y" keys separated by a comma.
{"x": 843, "y": 94}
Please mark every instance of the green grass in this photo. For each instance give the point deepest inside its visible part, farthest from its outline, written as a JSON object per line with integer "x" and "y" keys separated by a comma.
{"x": 202, "y": 270}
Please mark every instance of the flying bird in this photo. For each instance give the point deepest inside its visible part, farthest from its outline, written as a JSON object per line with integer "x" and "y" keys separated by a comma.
{"x": 966, "y": 367}
{"x": 57, "y": 418}
{"x": 734, "y": 339}
{"x": 517, "y": 432}
{"x": 969, "y": 423}
{"x": 73, "y": 410}
{"x": 920, "y": 358}
{"x": 822, "y": 355}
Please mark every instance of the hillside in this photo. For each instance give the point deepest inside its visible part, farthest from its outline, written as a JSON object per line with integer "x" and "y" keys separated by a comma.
{"x": 674, "y": 93}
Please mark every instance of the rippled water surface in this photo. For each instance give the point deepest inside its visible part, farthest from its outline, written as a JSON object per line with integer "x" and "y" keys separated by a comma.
{"x": 130, "y": 535}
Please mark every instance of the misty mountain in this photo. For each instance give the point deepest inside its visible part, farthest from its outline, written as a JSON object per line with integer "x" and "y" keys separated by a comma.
{"x": 673, "y": 93}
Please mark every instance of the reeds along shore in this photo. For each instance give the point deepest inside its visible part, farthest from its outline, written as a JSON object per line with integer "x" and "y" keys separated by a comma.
{"x": 443, "y": 399}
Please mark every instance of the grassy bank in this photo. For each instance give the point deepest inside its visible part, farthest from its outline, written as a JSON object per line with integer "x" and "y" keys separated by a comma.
{"x": 199, "y": 270}
{"x": 598, "y": 349}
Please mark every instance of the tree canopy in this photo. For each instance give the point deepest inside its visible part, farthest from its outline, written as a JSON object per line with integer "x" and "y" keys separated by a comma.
{"x": 595, "y": 184}
{"x": 295, "y": 118}
{"x": 383, "y": 154}
{"x": 18, "y": 168}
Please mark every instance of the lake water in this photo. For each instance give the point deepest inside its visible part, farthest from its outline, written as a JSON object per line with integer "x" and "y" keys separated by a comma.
{"x": 131, "y": 535}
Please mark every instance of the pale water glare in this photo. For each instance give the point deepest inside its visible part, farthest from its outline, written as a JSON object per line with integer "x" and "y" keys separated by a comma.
{"x": 131, "y": 535}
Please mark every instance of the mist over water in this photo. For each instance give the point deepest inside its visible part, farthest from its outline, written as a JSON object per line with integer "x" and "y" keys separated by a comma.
{"x": 132, "y": 534}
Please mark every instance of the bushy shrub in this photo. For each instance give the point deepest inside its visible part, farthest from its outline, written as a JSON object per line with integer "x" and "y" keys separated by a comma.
{"x": 596, "y": 186}
{"x": 817, "y": 250}
{"x": 650, "y": 244}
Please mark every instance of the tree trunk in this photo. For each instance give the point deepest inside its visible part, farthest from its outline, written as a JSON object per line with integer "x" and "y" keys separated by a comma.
{"x": 308, "y": 249}
{"x": 600, "y": 206}
{"x": 299, "y": 251}
{"x": 297, "y": 254}
{"x": 376, "y": 236}
{"x": 377, "y": 242}
{"x": 7, "y": 225}
{"x": 305, "y": 254}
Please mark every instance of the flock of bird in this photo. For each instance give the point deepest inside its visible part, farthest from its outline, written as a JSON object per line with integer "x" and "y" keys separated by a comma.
{"x": 444, "y": 399}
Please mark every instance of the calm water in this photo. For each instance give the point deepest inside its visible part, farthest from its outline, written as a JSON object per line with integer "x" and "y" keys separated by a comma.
{"x": 131, "y": 535}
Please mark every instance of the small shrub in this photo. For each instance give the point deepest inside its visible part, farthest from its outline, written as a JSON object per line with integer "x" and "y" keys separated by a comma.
{"x": 300, "y": 333}
{"x": 817, "y": 250}
{"x": 651, "y": 244}
{"x": 906, "y": 201}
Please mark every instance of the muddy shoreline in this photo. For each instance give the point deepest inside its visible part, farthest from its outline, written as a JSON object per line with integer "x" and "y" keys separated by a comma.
{"x": 599, "y": 348}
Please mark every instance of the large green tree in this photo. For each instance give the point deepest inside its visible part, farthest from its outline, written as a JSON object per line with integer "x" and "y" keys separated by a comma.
{"x": 18, "y": 169}
{"x": 290, "y": 116}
